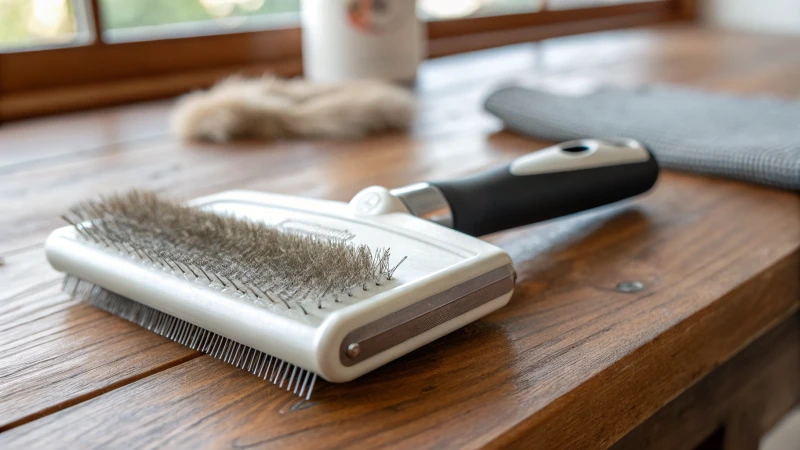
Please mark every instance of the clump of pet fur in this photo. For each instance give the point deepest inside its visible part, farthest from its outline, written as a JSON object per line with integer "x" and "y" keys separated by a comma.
{"x": 274, "y": 108}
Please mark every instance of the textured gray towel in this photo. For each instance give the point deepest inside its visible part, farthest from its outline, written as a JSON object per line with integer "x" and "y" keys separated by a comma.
{"x": 746, "y": 138}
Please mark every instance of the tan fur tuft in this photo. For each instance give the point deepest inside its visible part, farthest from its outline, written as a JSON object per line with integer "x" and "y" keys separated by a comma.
{"x": 273, "y": 108}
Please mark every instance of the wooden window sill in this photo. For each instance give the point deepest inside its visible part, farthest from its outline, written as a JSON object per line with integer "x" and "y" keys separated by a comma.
{"x": 107, "y": 74}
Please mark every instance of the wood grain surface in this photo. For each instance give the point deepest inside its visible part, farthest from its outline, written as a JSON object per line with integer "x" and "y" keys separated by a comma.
{"x": 570, "y": 363}
{"x": 736, "y": 404}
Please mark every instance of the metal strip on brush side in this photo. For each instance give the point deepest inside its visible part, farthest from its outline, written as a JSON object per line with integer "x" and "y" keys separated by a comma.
{"x": 404, "y": 324}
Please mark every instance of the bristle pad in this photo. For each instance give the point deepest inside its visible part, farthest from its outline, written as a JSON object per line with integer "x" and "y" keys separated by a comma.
{"x": 260, "y": 364}
{"x": 260, "y": 262}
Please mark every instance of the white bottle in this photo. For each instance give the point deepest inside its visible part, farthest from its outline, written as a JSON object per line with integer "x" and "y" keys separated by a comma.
{"x": 359, "y": 39}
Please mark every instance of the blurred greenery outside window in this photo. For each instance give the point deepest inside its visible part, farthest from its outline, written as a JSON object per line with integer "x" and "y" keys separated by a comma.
{"x": 30, "y": 24}
{"x": 125, "y": 20}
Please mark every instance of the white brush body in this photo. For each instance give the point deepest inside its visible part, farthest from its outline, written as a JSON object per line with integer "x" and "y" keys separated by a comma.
{"x": 438, "y": 259}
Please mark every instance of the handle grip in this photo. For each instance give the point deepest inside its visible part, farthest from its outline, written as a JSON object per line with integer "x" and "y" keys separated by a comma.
{"x": 553, "y": 182}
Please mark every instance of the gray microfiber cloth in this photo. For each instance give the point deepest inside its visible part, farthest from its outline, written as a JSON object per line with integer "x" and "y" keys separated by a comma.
{"x": 746, "y": 138}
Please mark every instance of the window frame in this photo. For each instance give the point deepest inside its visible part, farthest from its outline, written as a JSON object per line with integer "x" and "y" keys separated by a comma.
{"x": 98, "y": 73}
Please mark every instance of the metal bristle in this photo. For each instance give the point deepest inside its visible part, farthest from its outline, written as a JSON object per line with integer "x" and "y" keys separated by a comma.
{"x": 266, "y": 264}
{"x": 254, "y": 361}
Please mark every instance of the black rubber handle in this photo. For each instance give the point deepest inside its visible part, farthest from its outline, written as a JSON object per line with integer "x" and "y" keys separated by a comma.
{"x": 499, "y": 199}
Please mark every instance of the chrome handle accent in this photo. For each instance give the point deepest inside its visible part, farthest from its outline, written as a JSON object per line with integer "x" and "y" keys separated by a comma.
{"x": 426, "y": 201}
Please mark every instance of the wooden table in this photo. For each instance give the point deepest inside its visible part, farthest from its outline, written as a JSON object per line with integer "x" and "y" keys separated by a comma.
{"x": 709, "y": 350}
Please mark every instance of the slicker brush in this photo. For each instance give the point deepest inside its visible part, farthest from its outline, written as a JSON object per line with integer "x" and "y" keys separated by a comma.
{"x": 292, "y": 289}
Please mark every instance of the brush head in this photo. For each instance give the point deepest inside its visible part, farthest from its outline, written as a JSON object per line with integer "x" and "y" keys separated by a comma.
{"x": 291, "y": 265}
{"x": 309, "y": 282}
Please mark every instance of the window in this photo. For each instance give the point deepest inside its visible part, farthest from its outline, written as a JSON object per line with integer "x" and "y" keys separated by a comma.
{"x": 31, "y": 24}
{"x": 574, "y": 4}
{"x": 60, "y": 55}
{"x": 444, "y": 9}
{"x": 126, "y": 20}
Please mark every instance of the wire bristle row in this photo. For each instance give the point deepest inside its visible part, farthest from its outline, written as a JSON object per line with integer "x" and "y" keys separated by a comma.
{"x": 254, "y": 361}
{"x": 254, "y": 259}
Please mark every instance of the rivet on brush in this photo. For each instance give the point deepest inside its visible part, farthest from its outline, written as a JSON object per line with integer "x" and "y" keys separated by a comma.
{"x": 353, "y": 350}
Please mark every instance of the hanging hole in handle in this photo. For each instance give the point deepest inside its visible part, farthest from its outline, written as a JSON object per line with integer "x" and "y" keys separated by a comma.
{"x": 576, "y": 149}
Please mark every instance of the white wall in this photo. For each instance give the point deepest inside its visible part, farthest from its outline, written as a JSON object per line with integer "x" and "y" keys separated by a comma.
{"x": 770, "y": 16}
